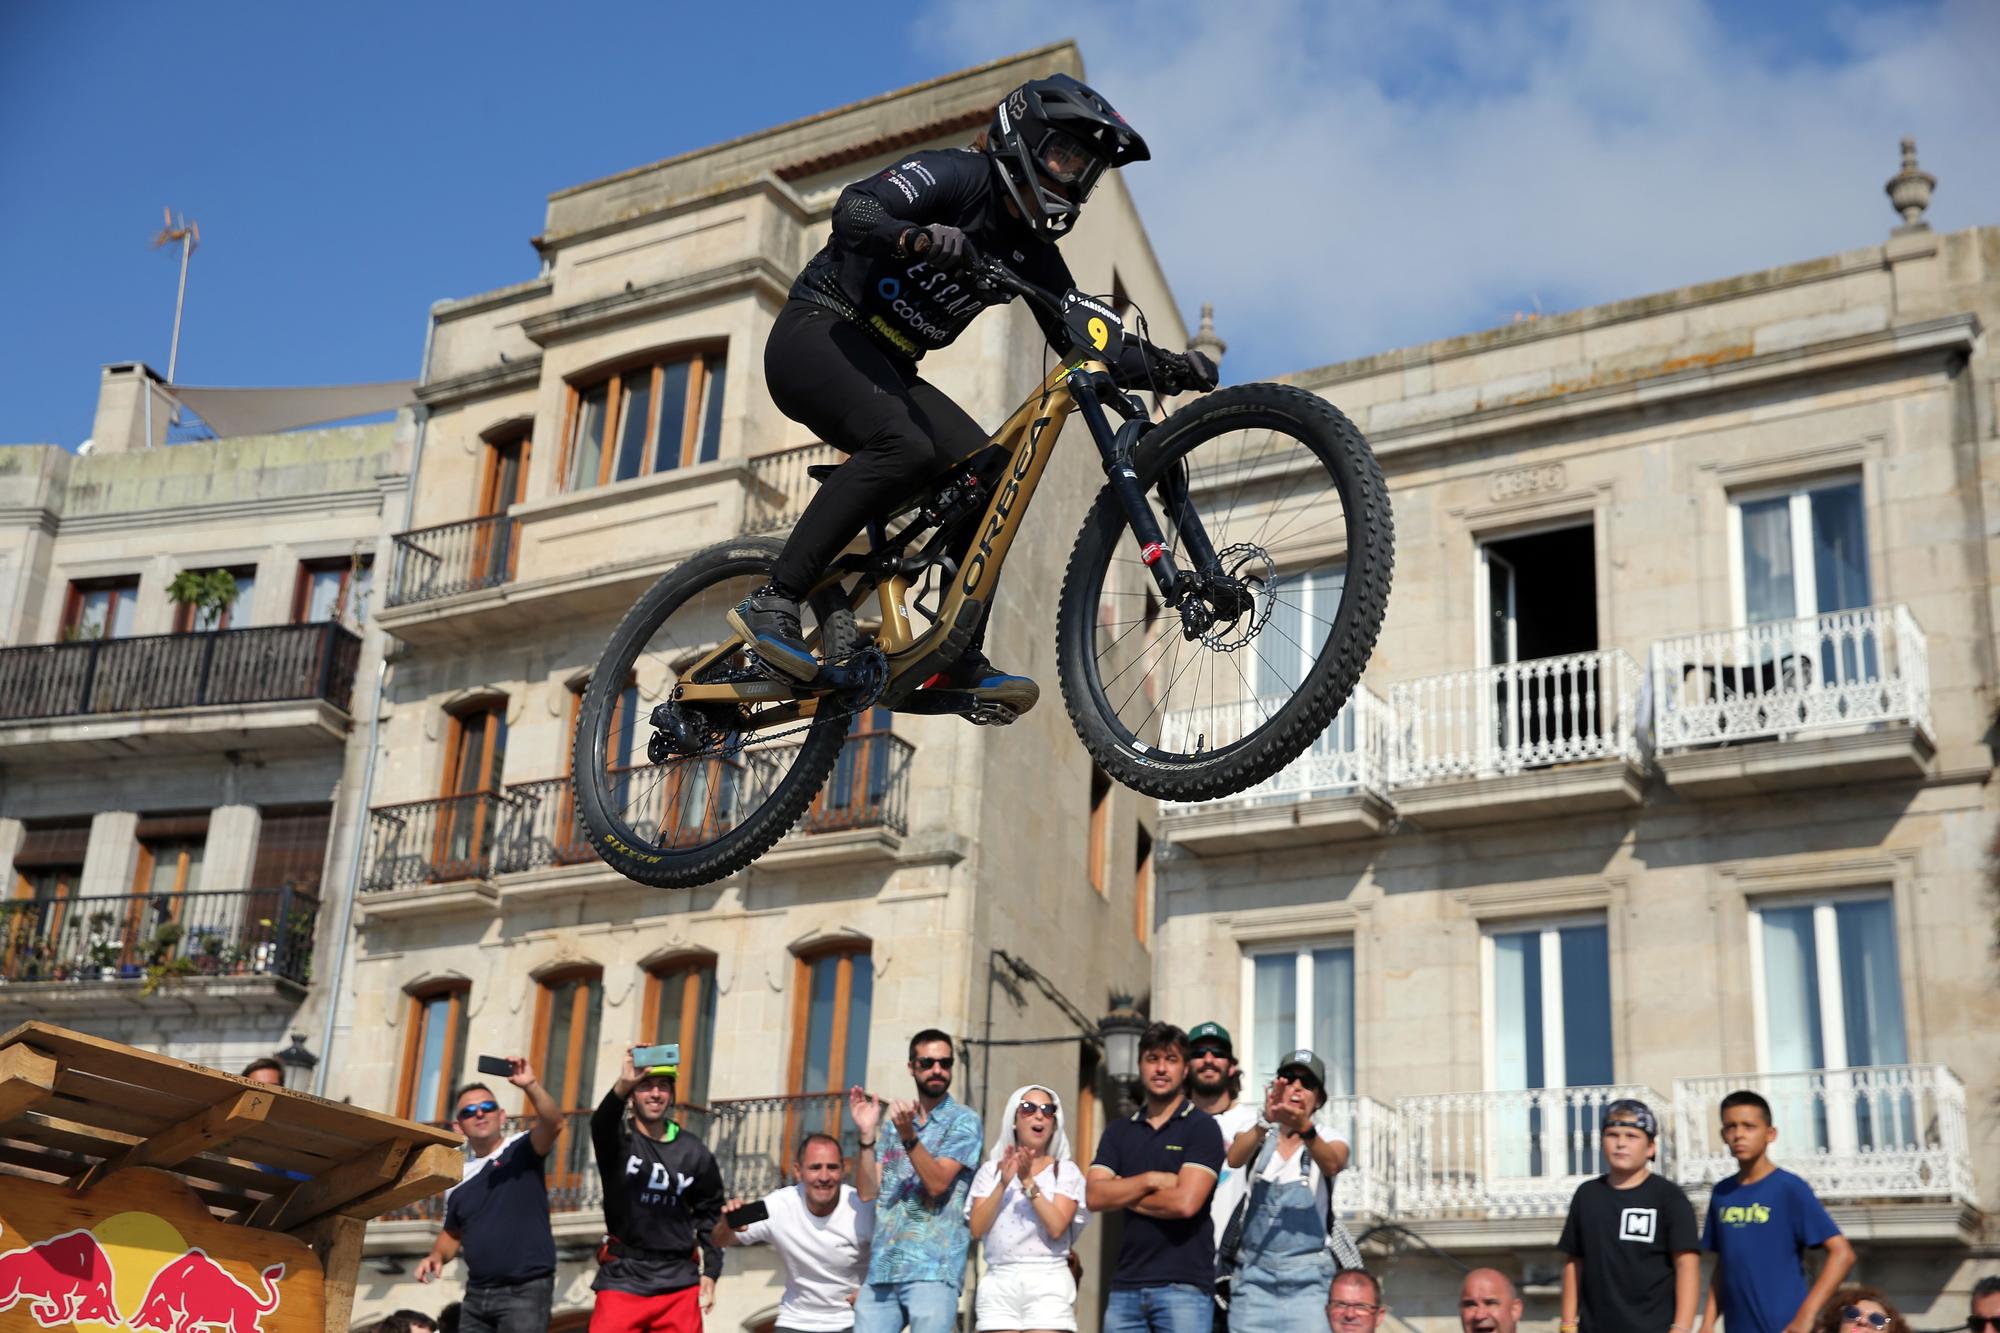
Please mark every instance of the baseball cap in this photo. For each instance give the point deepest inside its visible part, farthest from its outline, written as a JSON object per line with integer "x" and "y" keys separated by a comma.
{"x": 1306, "y": 1060}
{"x": 1211, "y": 1034}
{"x": 1633, "y": 1114}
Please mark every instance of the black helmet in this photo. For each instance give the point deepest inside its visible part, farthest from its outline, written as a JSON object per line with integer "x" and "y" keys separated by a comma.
{"x": 1056, "y": 131}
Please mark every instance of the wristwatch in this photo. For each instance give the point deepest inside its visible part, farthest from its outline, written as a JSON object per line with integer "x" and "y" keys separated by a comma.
{"x": 1033, "y": 1191}
{"x": 1310, "y": 1132}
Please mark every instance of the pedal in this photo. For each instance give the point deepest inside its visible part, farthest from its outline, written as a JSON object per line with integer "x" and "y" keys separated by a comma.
{"x": 983, "y": 714}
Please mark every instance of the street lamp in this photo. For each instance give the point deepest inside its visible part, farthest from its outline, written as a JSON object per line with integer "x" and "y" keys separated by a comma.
{"x": 298, "y": 1062}
{"x": 1120, "y": 1030}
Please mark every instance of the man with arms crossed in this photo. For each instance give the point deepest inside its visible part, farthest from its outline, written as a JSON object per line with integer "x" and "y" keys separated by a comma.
{"x": 1760, "y": 1222}
{"x": 917, "y": 1262}
{"x": 821, "y": 1230}
{"x": 1160, "y": 1166}
{"x": 497, "y": 1216}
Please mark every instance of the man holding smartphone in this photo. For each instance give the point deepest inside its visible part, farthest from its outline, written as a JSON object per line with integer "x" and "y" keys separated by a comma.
{"x": 497, "y": 1216}
{"x": 662, "y": 1199}
{"x": 821, "y": 1229}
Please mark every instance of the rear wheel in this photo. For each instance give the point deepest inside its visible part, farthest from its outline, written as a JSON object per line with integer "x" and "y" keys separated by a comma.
{"x": 1206, "y": 699}
{"x": 710, "y": 790}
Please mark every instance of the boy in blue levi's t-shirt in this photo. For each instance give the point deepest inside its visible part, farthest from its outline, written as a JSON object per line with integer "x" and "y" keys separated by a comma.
{"x": 1760, "y": 1222}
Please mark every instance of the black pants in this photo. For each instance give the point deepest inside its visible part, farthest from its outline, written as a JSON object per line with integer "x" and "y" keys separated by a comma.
{"x": 898, "y": 431}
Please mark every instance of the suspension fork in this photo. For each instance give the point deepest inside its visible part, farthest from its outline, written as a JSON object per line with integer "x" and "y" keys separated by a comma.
{"x": 1115, "y": 448}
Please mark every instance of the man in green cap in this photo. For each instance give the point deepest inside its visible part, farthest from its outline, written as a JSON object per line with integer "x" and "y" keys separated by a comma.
{"x": 1215, "y": 1085}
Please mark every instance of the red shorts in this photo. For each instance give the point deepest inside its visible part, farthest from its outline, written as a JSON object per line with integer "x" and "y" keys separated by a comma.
{"x": 622, "y": 1312}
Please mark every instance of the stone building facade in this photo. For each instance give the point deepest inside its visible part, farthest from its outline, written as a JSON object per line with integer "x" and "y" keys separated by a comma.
{"x": 178, "y": 785}
{"x": 1671, "y": 773}
{"x": 587, "y": 430}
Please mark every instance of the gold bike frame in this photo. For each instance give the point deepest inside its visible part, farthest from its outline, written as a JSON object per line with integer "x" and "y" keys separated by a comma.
{"x": 1029, "y": 438}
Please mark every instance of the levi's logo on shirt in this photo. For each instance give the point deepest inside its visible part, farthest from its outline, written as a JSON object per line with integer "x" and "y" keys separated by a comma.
{"x": 1743, "y": 1214}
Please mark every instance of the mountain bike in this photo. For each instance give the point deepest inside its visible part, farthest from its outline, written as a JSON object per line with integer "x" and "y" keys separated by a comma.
{"x": 1195, "y": 660}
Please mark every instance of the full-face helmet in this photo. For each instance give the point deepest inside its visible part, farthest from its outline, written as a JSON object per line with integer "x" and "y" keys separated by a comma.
{"x": 1051, "y": 140}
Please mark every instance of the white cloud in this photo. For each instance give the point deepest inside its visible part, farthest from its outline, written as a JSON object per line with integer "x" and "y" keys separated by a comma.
{"x": 1343, "y": 178}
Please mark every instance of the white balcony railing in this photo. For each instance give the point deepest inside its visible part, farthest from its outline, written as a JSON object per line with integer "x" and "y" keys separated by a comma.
{"x": 1791, "y": 677}
{"x": 1885, "y": 1131}
{"x": 1366, "y": 1189}
{"x": 1501, "y": 1154}
{"x": 1352, "y": 754}
{"x": 1500, "y": 720}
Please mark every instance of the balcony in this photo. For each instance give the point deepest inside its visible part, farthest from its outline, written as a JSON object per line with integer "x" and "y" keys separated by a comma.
{"x": 1858, "y": 1136}
{"x": 1555, "y": 735}
{"x": 584, "y": 553}
{"x": 1501, "y": 1157}
{"x": 443, "y": 854}
{"x": 69, "y": 957}
{"x": 754, "y": 1138}
{"x": 1365, "y": 1193}
{"x": 1836, "y": 698}
{"x": 1334, "y": 792}
{"x": 277, "y": 687}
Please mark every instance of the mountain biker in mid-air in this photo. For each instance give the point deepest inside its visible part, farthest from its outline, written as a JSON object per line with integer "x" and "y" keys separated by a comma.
{"x": 842, "y": 356}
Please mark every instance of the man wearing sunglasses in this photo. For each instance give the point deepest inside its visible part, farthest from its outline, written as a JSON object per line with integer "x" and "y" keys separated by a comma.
{"x": 1985, "y": 1317}
{"x": 920, "y": 1175}
{"x": 497, "y": 1216}
{"x": 1215, "y": 1085}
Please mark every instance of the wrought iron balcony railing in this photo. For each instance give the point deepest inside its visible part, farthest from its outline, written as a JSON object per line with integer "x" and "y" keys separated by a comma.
{"x": 208, "y": 668}
{"x": 435, "y": 841}
{"x": 152, "y": 938}
{"x": 1500, "y": 720}
{"x": 452, "y": 558}
{"x": 1845, "y": 669}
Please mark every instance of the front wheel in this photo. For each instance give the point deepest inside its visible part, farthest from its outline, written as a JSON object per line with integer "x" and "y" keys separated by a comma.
{"x": 1211, "y": 697}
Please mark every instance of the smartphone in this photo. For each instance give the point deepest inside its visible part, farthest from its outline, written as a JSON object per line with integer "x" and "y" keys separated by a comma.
{"x": 739, "y": 1218}
{"x": 652, "y": 1057}
{"x": 496, "y": 1064}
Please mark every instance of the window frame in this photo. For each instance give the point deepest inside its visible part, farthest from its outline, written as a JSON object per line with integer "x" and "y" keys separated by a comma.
{"x": 451, "y": 1064}
{"x": 1549, "y": 929}
{"x": 838, "y": 1076}
{"x": 701, "y": 359}
{"x": 1098, "y": 852}
{"x": 184, "y": 614}
{"x": 1826, "y": 954}
{"x": 453, "y": 797}
{"x": 1303, "y": 982}
{"x": 346, "y": 607}
{"x": 122, "y": 587}
{"x": 697, "y": 1026}
{"x": 1805, "y": 570}
{"x": 496, "y": 554}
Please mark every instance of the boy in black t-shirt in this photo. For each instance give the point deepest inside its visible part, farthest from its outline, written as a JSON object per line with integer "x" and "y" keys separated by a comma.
{"x": 1632, "y": 1253}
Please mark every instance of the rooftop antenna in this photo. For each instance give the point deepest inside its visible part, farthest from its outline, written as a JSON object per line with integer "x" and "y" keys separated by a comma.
{"x": 189, "y": 236}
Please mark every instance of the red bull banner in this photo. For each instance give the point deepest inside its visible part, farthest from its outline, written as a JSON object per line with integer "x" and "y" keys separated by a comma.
{"x": 138, "y": 1250}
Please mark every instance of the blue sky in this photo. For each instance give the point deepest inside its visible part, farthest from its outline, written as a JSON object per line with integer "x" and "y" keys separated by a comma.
{"x": 1409, "y": 168}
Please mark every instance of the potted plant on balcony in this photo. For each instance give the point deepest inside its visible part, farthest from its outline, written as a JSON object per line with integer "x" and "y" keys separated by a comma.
{"x": 159, "y": 967}
{"x": 103, "y": 946}
{"x": 207, "y": 593}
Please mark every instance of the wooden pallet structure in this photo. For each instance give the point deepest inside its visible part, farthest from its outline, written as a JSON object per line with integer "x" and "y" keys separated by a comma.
{"x": 142, "y": 1192}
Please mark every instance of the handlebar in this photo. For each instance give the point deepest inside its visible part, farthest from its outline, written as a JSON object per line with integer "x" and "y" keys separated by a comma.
{"x": 998, "y": 274}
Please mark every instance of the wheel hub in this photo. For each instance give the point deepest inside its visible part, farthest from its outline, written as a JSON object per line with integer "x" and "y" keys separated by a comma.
{"x": 1228, "y": 609}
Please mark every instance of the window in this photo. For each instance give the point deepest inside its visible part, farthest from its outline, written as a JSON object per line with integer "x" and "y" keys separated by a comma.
{"x": 233, "y": 616}
{"x": 336, "y": 589}
{"x": 1802, "y": 552}
{"x": 1142, "y": 888}
{"x": 101, "y": 609}
{"x": 857, "y": 795}
{"x": 1302, "y": 995}
{"x": 48, "y": 868}
{"x": 647, "y": 418}
{"x": 171, "y": 850}
{"x": 503, "y": 482}
{"x": 680, "y": 1006}
{"x": 474, "y": 763}
{"x": 833, "y": 994}
{"x": 1100, "y": 825}
{"x": 569, "y": 1010}
{"x": 1549, "y": 992}
{"x": 1831, "y": 998}
{"x": 291, "y": 846}
{"x": 1303, "y": 608}
{"x": 433, "y": 1053}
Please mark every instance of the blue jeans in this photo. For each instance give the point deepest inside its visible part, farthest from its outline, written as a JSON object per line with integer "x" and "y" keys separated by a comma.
{"x": 518, "y": 1307}
{"x": 927, "y": 1307}
{"x": 1179, "y": 1307}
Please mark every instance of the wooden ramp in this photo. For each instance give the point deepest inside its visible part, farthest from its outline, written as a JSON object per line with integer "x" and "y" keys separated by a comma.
{"x": 261, "y": 1171}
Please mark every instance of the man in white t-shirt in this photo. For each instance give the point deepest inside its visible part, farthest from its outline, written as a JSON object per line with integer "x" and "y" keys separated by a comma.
{"x": 1215, "y": 1085}
{"x": 821, "y": 1230}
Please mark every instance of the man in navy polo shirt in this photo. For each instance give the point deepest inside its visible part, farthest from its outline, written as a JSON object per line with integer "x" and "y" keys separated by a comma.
{"x": 1160, "y": 1166}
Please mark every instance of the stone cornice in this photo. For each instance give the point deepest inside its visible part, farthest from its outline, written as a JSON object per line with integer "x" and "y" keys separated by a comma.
{"x": 482, "y": 383}
{"x": 753, "y": 273}
{"x": 316, "y": 502}
{"x": 496, "y": 299}
{"x": 30, "y": 516}
{"x": 764, "y": 183}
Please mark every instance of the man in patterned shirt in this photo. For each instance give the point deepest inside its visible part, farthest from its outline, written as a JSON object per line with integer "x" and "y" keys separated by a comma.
{"x": 925, "y": 1167}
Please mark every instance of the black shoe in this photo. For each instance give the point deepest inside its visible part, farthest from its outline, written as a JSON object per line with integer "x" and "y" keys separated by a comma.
{"x": 769, "y": 620}
{"x": 974, "y": 675}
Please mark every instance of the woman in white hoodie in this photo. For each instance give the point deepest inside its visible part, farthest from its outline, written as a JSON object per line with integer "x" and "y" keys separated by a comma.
{"x": 1026, "y": 1206}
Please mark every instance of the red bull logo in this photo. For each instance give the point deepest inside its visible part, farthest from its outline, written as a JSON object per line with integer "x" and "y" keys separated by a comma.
{"x": 65, "y": 1279}
{"x": 194, "y": 1292}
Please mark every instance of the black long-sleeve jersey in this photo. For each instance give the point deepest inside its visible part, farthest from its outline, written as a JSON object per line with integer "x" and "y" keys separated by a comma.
{"x": 662, "y": 1198}
{"x": 908, "y": 304}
